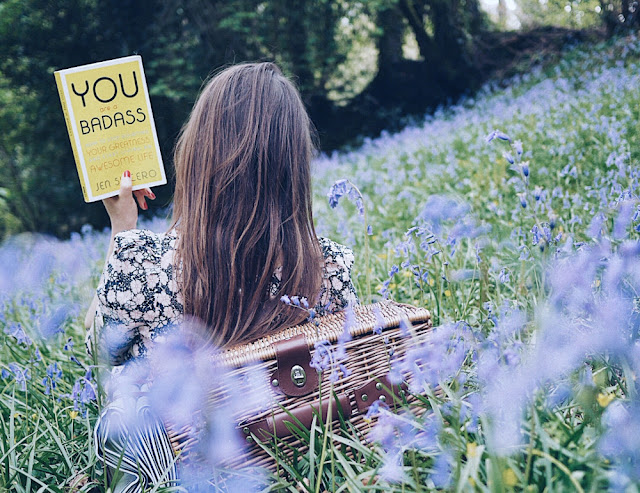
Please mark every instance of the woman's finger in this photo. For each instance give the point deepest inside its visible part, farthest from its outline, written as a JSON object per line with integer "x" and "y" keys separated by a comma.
{"x": 125, "y": 185}
{"x": 149, "y": 193}
{"x": 139, "y": 195}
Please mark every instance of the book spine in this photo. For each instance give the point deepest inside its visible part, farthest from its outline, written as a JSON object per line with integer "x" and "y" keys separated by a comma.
{"x": 72, "y": 139}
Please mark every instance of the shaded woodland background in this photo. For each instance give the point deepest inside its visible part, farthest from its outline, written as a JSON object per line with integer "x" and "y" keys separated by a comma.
{"x": 361, "y": 66}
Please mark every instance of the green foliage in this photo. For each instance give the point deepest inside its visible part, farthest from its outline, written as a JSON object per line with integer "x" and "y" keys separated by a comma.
{"x": 577, "y": 14}
{"x": 319, "y": 43}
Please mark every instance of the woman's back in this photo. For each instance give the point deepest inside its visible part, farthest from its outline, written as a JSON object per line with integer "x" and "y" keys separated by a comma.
{"x": 141, "y": 298}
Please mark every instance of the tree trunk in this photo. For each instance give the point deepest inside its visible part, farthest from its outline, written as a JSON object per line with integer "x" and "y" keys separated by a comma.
{"x": 390, "y": 42}
{"x": 414, "y": 17}
{"x": 502, "y": 14}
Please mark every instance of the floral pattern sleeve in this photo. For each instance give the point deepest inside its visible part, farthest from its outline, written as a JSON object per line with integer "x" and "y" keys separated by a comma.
{"x": 337, "y": 289}
{"x": 130, "y": 291}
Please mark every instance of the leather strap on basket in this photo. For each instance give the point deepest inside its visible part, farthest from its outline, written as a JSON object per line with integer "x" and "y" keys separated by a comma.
{"x": 379, "y": 388}
{"x": 281, "y": 423}
{"x": 294, "y": 374}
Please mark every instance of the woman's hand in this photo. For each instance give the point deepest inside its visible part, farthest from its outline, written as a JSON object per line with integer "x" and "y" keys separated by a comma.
{"x": 122, "y": 209}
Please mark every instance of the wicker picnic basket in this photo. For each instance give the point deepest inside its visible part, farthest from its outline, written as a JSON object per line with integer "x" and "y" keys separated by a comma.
{"x": 298, "y": 391}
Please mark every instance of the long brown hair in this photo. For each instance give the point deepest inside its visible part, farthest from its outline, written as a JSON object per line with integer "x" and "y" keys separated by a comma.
{"x": 242, "y": 204}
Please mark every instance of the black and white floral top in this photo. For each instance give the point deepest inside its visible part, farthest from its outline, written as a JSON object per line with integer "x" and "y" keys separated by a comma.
{"x": 140, "y": 298}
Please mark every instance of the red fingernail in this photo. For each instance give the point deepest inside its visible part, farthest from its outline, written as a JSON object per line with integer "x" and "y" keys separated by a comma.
{"x": 145, "y": 206}
{"x": 153, "y": 196}
{"x": 127, "y": 174}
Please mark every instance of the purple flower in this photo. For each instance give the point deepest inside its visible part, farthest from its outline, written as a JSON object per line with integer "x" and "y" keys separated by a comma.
{"x": 54, "y": 374}
{"x": 338, "y": 189}
{"x": 350, "y": 322}
{"x": 20, "y": 374}
{"x": 537, "y": 192}
{"x": 285, "y": 299}
{"x": 405, "y": 327}
{"x": 499, "y": 135}
{"x": 345, "y": 187}
{"x": 82, "y": 394}
{"x": 523, "y": 200}
{"x": 392, "y": 470}
{"x": 15, "y": 330}
{"x": 441, "y": 208}
{"x": 69, "y": 344}
{"x": 620, "y": 442}
{"x": 322, "y": 359}
{"x": 380, "y": 321}
{"x": 53, "y": 323}
{"x": 442, "y": 468}
{"x": 517, "y": 145}
{"x": 626, "y": 210}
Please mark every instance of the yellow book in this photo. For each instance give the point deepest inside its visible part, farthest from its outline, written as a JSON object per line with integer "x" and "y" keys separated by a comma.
{"x": 108, "y": 113}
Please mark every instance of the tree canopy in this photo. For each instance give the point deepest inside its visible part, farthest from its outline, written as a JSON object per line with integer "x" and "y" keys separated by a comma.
{"x": 349, "y": 59}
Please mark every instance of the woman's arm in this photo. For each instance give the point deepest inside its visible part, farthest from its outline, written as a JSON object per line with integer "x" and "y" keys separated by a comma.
{"x": 123, "y": 214}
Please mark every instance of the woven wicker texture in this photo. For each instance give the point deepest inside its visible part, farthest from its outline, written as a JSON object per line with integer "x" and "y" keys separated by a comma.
{"x": 369, "y": 356}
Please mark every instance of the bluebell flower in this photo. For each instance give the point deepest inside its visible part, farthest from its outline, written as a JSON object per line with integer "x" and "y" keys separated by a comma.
{"x": 338, "y": 189}
{"x": 626, "y": 210}
{"x": 536, "y": 234}
{"x": 517, "y": 145}
{"x": 53, "y": 323}
{"x": 441, "y": 208}
{"x": 15, "y": 330}
{"x": 68, "y": 345}
{"x": 345, "y": 371}
{"x": 21, "y": 375}
{"x": 497, "y": 134}
{"x": 54, "y": 375}
{"x": 442, "y": 469}
{"x": 523, "y": 200}
{"x": 595, "y": 227}
{"x": 322, "y": 359}
{"x": 537, "y": 192}
{"x": 380, "y": 321}
{"x": 405, "y": 327}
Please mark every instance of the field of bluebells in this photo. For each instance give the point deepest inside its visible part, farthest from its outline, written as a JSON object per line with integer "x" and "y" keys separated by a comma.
{"x": 513, "y": 216}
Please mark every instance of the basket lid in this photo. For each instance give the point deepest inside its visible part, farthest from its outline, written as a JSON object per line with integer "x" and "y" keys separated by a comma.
{"x": 326, "y": 328}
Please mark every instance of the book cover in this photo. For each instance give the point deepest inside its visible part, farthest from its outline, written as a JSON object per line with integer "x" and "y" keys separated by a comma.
{"x": 108, "y": 113}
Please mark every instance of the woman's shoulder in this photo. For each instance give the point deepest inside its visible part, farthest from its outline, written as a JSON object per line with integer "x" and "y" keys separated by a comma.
{"x": 141, "y": 239}
{"x": 140, "y": 263}
{"x": 337, "y": 290}
{"x": 334, "y": 252}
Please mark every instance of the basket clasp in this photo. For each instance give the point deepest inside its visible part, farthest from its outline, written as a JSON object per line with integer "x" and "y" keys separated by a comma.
{"x": 294, "y": 374}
